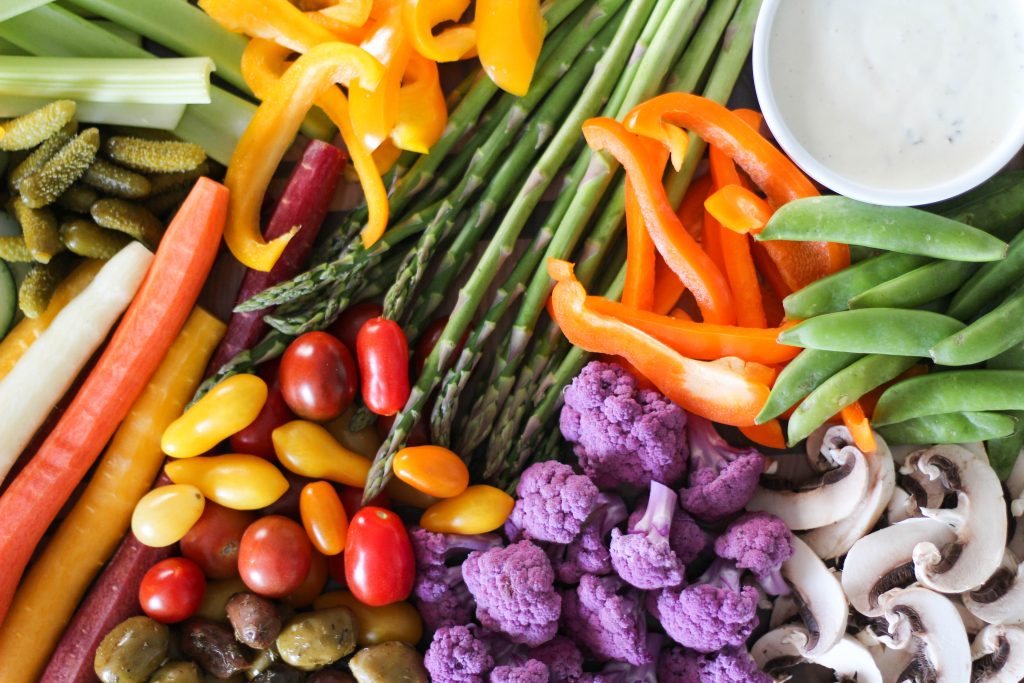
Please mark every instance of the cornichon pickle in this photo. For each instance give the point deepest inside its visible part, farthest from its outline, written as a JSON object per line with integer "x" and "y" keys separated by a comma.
{"x": 160, "y": 204}
{"x": 78, "y": 198}
{"x": 64, "y": 168}
{"x": 37, "y": 288}
{"x": 40, "y": 229}
{"x": 32, "y": 128}
{"x": 116, "y": 181}
{"x": 14, "y": 250}
{"x": 154, "y": 156}
{"x": 83, "y": 237}
{"x": 40, "y": 155}
{"x": 129, "y": 218}
{"x": 164, "y": 182}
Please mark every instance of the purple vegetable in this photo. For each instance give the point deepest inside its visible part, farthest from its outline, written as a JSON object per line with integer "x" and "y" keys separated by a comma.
{"x": 643, "y": 557}
{"x": 707, "y": 617}
{"x": 458, "y": 655}
{"x": 607, "y": 618}
{"x": 531, "y": 671}
{"x": 685, "y": 537}
{"x": 760, "y": 542}
{"x": 552, "y": 502}
{"x": 623, "y": 434}
{"x": 514, "y": 592}
{"x": 622, "y": 672}
{"x": 563, "y": 659}
{"x": 732, "y": 666}
{"x": 722, "y": 478}
{"x": 588, "y": 552}
{"x": 679, "y": 666}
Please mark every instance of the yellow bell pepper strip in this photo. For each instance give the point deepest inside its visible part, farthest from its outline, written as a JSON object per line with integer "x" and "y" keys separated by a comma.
{"x": 477, "y": 510}
{"x": 859, "y": 426}
{"x": 375, "y": 106}
{"x": 801, "y": 262}
{"x": 738, "y": 209}
{"x": 228, "y": 408}
{"x": 711, "y": 390}
{"x": 375, "y": 625}
{"x": 679, "y": 249}
{"x": 509, "y": 36}
{"x": 450, "y": 45}
{"x": 236, "y": 481}
{"x": 341, "y": 30}
{"x": 351, "y": 12}
{"x": 83, "y": 542}
{"x": 263, "y": 64}
{"x": 385, "y": 156}
{"x": 22, "y": 335}
{"x": 269, "y": 135}
{"x": 422, "y": 111}
{"x": 309, "y": 450}
{"x": 276, "y": 20}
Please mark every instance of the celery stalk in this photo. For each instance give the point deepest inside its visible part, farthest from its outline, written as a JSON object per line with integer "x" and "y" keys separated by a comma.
{"x": 164, "y": 116}
{"x": 9, "y": 48}
{"x": 12, "y": 8}
{"x": 125, "y": 33}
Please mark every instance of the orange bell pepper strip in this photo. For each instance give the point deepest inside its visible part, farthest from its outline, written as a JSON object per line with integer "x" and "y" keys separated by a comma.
{"x": 691, "y": 211}
{"x": 769, "y": 271}
{"x": 667, "y": 287}
{"x": 276, "y": 20}
{"x": 711, "y": 242}
{"x": 352, "y": 12}
{"x": 509, "y": 36}
{"x": 738, "y": 209}
{"x": 800, "y": 263}
{"x": 375, "y": 106}
{"x": 451, "y": 44}
{"x": 710, "y": 390}
{"x": 676, "y": 245}
{"x": 768, "y": 434}
{"x": 638, "y": 289}
{"x": 270, "y": 134}
{"x": 680, "y": 314}
{"x": 859, "y": 426}
{"x": 703, "y": 341}
{"x": 422, "y": 111}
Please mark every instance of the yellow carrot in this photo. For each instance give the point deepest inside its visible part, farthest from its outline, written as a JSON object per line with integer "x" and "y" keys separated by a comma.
{"x": 85, "y": 540}
{"x": 16, "y": 343}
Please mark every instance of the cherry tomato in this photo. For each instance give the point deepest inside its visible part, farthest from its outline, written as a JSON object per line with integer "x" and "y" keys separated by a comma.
{"x": 433, "y": 470}
{"x": 379, "y": 563}
{"x": 172, "y": 590}
{"x": 165, "y": 514}
{"x": 312, "y": 586}
{"x": 288, "y": 504}
{"x": 428, "y": 341}
{"x": 347, "y": 326}
{"x": 324, "y": 517}
{"x": 336, "y": 568}
{"x": 418, "y": 436}
{"x": 228, "y": 407}
{"x": 255, "y": 439}
{"x": 274, "y": 556}
{"x": 352, "y": 499}
{"x": 477, "y": 510}
{"x": 213, "y": 541}
{"x": 318, "y": 377}
{"x": 383, "y": 354}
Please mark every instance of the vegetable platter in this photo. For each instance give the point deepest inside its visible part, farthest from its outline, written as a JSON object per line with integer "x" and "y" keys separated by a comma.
{"x": 495, "y": 341}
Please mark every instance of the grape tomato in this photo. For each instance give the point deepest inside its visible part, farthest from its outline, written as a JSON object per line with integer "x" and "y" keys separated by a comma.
{"x": 172, "y": 590}
{"x": 318, "y": 377}
{"x": 379, "y": 563}
{"x": 324, "y": 517}
{"x": 347, "y": 326}
{"x": 433, "y": 470}
{"x": 383, "y": 354}
{"x": 477, "y": 510}
{"x": 274, "y": 557}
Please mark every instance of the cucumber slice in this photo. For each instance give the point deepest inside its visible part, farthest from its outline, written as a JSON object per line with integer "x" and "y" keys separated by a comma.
{"x": 8, "y": 299}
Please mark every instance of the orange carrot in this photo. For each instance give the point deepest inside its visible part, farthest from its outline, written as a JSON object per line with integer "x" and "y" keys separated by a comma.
{"x": 768, "y": 434}
{"x": 860, "y": 429}
{"x": 135, "y": 350}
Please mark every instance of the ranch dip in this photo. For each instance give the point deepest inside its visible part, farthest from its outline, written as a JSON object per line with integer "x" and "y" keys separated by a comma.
{"x": 899, "y": 94}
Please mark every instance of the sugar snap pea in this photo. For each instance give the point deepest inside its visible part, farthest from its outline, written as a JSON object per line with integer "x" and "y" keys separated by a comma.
{"x": 964, "y": 427}
{"x": 956, "y": 391}
{"x": 800, "y": 377}
{"x": 63, "y": 168}
{"x": 993, "y": 333}
{"x": 1010, "y": 359}
{"x": 995, "y": 206}
{"x": 917, "y": 287}
{"x": 888, "y": 331}
{"x": 1003, "y": 452}
{"x": 29, "y": 130}
{"x": 989, "y": 282}
{"x": 842, "y": 389}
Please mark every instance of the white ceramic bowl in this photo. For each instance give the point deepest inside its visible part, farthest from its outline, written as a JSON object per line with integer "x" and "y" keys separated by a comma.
{"x": 969, "y": 176}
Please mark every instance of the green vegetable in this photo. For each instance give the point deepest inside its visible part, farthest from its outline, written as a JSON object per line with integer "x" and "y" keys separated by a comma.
{"x": 986, "y": 337}
{"x": 842, "y": 389}
{"x": 154, "y": 156}
{"x": 85, "y": 238}
{"x": 989, "y": 282}
{"x": 800, "y": 377}
{"x": 902, "y": 229}
{"x": 158, "y": 115}
{"x": 39, "y": 284}
{"x": 33, "y": 128}
{"x": 40, "y": 229}
{"x": 8, "y": 299}
{"x": 889, "y": 331}
{"x": 13, "y": 8}
{"x": 163, "y": 182}
{"x": 113, "y": 180}
{"x": 129, "y": 218}
{"x": 78, "y": 198}
{"x": 14, "y": 250}
{"x": 62, "y": 169}
{"x": 40, "y": 155}
{"x": 162, "y": 204}
{"x": 1003, "y": 452}
{"x": 916, "y": 288}
{"x": 965, "y": 427}
{"x": 956, "y": 391}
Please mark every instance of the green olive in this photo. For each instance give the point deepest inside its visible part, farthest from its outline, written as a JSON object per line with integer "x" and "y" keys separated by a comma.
{"x": 313, "y": 640}
{"x": 178, "y": 672}
{"x": 215, "y": 599}
{"x": 391, "y": 662}
{"x": 132, "y": 651}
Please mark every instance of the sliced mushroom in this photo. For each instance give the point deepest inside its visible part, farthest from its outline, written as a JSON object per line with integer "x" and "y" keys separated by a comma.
{"x": 784, "y": 609}
{"x": 836, "y": 539}
{"x": 1016, "y": 543}
{"x": 972, "y": 624}
{"x": 979, "y": 520}
{"x": 901, "y": 506}
{"x": 998, "y": 653}
{"x": 1000, "y": 600}
{"x": 883, "y": 561}
{"x": 929, "y": 620}
{"x": 786, "y": 646}
{"x": 1015, "y": 482}
{"x": 820, "y": 598}
{"x": 827, "y": 498}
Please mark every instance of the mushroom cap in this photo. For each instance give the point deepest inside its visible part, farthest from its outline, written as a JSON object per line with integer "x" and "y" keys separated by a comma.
{"x": 882, "y": 560}
{"x": 931, "y": 619}
{"x": 901, "y": 506}
{"x": 1000, "y": 600}
{"x": 849, "y": 659}
{"x": 998, "y": 653}
{"x": 820, "y": 597}
{"x": 1015, "y": 482}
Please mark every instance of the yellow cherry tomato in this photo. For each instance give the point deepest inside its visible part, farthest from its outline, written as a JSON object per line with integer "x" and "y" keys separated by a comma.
{"x": 433, "y": 470}
{"x": 308, "y": 449}
{"x": 324, "y": 517}
{"x": 374, "y": 625}
{"x": 509, "y": 35}
{"x": 365, "y": 442}
{"x": 227, "y": 408}
{"x": 164, "y": 515}
{"x": 401, "y": 492}
{"x": 476, "y": 510}
{"x": 240, "y": 482}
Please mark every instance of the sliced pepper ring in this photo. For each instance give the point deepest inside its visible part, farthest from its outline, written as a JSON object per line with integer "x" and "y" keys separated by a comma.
{"x": 450, "y": 45}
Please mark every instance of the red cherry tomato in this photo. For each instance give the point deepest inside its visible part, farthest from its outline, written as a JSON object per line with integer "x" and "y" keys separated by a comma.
{"x": 336, "y": 568}
{"x": 347, "y": 326}
{"x": 172, "y": 590}
{"x": 428, "y": 341}
{"x": 212, "y": 542}
{"x": 383, "y": 353}
{"x": 255, "y": 439}
{"x": 418, "y": 436}
{"x": 275, "y": 556}
{"x": 352, "y": 499}
{"x": 318, "y": 377}
{"x": 379, "y": 563}
{"x": 312, "y": 586}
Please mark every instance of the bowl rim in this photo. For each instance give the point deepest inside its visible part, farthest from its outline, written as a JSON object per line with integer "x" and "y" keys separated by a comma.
{"x": 967, "y": 179}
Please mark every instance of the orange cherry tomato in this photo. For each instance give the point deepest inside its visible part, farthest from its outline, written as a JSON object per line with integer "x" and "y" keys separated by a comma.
{"x": 324, "y": 517}
{"x": 477, "y": 510}
{"x": 227, "y": 408}
{"x": 433, "y": 470}
{"x": 309, "y": 449}
{"x": 313, "y": 586}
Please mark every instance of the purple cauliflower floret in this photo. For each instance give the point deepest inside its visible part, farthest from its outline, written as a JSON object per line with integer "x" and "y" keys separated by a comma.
{"x": 734, "y": 665}
{"x": 679, "y": 666}
{"x": 607, "y": 618}
{"x": 760, "y": 542}
{"x": 623, "y": 434}
{"x": 643, "y": 557}
{"x": 553, "y": 502}
{"x": 588, "y": 552}
{"x": 441, "y": 596}
{"x": 563, "y": 659}
{"x": 722, "y": 478}
{"x": 623, "y": 672}
{"x": 531, "y": 671}
{"x": 707, "y": 617}
{"x": 686, "y": 538}
{"x": 457, "y": 655}
{"x": 514, "y": 592}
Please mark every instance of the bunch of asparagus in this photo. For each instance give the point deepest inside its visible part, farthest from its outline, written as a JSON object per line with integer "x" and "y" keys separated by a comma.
{"x": 462, "y": 211}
